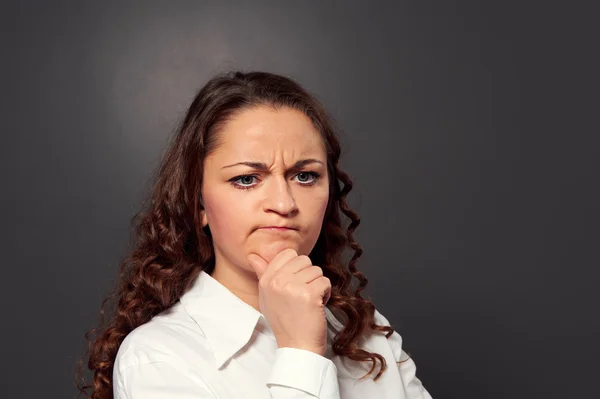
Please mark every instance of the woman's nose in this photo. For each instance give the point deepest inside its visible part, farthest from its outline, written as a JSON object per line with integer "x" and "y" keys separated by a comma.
{"x": 279, "y": 197}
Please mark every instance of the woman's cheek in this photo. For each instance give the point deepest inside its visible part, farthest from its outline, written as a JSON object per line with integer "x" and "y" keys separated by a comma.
{"x": 223, "y": 219}
{"x": 322, "y": 202}
{"x": 317, "y": 213}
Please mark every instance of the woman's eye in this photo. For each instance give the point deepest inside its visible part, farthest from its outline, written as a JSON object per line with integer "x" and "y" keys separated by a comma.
{"x": 245, "y": 181}
{"x": 307, "y": 177}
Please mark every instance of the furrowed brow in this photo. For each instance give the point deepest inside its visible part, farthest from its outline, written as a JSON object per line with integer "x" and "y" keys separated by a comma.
{"x": 253, "y": 165}
{"x": 262, "y": 166}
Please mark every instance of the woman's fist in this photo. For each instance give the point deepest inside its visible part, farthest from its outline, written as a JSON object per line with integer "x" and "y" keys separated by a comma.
{"x": 292, "y": 297}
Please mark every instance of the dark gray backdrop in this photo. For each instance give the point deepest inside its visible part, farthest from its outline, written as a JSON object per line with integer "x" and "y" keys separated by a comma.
{"x": 469, "y": 133}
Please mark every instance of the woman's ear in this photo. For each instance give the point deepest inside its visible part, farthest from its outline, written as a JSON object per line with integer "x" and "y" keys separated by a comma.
{"x": 203, "y": 218}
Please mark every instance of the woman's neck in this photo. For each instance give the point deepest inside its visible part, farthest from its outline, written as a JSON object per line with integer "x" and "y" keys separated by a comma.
{"x": 241, "y": 282}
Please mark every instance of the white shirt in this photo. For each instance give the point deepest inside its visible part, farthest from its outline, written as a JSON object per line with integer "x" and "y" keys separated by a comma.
{"x": 212, "y": 345}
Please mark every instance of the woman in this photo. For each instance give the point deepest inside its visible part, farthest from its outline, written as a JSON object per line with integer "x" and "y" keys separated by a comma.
{"x": 236, "y": 287}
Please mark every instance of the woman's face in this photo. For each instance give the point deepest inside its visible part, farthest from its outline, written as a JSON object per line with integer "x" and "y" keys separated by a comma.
{"x": 265, "y": 187}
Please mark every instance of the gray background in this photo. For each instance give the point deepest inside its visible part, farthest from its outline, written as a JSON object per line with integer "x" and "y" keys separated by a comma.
{"x": 471, "y": 133}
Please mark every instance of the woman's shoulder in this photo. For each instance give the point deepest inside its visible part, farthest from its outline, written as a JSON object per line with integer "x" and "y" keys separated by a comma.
{"x": 167, "y": 337}
{"x": 395, "y": 339}
{"x": 377, "y": 342}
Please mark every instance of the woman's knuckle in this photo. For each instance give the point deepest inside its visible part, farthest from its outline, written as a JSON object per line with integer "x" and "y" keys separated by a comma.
{"x": 305, "y": 259}
{"x": 277, "y": 283}
{"x": 306, "y": 296}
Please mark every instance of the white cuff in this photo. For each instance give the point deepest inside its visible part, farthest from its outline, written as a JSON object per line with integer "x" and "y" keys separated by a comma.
{"x": 305, "y": 370}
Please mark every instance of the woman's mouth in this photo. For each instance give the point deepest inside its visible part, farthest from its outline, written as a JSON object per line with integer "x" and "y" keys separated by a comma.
{"x": 278, "y": 228}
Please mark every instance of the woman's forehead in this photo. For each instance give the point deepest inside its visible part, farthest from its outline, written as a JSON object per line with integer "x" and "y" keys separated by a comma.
{"x": 267, "y": 132}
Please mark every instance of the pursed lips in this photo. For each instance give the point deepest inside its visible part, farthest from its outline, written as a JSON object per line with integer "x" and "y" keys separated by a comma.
{"x": 278, "y": 228}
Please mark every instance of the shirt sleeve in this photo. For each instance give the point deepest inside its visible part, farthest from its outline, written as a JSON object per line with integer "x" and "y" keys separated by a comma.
{"x": 407, "y": 368}
{"x": 158, "y": 380}
{"x": 302, "y": 374}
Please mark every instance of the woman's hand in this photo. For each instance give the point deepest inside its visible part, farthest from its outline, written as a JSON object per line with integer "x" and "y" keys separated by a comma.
{"x": 292, "y": 297}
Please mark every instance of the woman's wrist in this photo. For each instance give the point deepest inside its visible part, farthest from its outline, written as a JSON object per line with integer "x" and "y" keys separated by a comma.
{"x": 319, "y": 350}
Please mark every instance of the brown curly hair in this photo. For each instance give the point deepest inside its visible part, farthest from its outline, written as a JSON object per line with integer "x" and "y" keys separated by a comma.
{"x": 171, "y": 247}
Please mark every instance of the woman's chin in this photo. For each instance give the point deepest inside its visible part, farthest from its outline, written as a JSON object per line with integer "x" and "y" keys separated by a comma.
{"x": 270, "y": 250}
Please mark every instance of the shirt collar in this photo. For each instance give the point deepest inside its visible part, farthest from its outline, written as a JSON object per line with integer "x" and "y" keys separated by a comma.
{"x": 227, "y": 322}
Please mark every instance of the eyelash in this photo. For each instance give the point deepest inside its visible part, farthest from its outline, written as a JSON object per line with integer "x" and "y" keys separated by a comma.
{"x": 233, "y": 180}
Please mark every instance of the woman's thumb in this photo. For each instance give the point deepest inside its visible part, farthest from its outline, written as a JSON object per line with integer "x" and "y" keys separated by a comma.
{"x": 257, "y": 263}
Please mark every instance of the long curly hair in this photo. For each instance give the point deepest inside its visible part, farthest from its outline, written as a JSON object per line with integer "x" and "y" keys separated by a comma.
{"x": 171, "y": 248}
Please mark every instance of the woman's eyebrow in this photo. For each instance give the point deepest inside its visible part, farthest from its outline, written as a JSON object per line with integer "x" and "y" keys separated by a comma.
{"x": 263, "y": 166}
